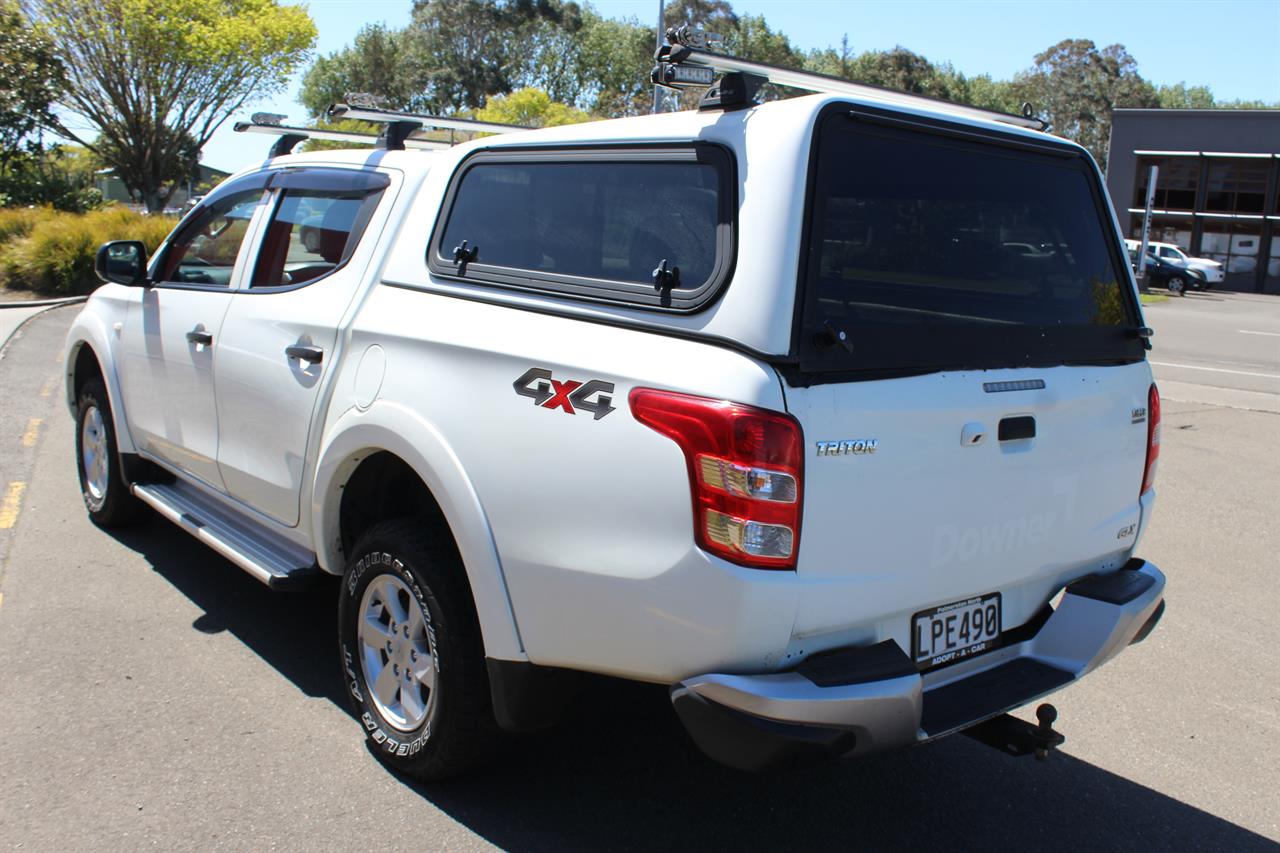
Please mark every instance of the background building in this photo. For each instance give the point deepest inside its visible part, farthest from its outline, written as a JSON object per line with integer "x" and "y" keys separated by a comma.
{"x": 206, "y": 177}
{"x": 1216, "y": 194}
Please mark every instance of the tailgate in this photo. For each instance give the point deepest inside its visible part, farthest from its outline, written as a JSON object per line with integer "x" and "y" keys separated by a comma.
{"x": 912, "y": 499}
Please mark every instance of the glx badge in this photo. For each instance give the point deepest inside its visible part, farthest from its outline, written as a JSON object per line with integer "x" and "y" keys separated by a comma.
{"x": 536, "y": 383}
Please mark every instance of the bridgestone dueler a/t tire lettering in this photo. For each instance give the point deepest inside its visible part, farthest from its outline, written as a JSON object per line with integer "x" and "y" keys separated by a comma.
{"x": 459, "y": 731}
{"x": 108, "y": 500}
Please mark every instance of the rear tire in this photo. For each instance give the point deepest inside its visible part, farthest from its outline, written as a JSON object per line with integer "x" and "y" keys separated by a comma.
{"x": 102, "y": 485}
{"x": 412, "y": 655}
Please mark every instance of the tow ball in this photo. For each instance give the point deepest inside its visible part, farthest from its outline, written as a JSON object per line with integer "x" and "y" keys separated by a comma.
{"x": 1016, "y": 737}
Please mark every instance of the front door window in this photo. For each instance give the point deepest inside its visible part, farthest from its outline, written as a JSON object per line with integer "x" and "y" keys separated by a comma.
{"x": 205, "y": 251}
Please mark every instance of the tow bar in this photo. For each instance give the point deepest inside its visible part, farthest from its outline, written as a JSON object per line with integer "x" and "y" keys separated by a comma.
{"x": 1016, "y": 737}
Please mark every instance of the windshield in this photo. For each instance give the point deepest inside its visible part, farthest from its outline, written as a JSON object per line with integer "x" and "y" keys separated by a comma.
{"x": 931, "y": 252}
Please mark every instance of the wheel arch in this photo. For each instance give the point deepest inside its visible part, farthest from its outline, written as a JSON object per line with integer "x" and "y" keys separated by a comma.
{"x": 390, "y": 435}
{"x": 88, "y": 353}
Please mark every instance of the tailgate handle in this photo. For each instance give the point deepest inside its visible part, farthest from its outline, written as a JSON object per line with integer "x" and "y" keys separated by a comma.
{"x": 1012, "y": 429}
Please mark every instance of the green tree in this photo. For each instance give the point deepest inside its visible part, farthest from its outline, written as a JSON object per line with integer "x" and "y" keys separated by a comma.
{"x": 985, "y": 91}
{"x": 156, "y": 78}
{"x": 30, "y": 80}
{"x": 59, "y": 176}
{"x": 471, "y": 49}
{"x": 382, "y": 62}
{"x": 531, "y": 108}
{"x": 613, "y": 60}
{"x": 1075, "y": 86}
{"x": 712, "y": 16}
{"x": 830, "y": 61}
{"x": 900, "y": 69}
{"x": 1180, "y": 96}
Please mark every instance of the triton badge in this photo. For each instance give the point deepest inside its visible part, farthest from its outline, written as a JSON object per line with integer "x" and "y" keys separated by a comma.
{"x": 569, "y": 395}
{"x": 852, "y": 447}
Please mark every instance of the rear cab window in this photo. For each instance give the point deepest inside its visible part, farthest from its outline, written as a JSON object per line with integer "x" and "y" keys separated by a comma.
{"x": 593, "y": 223}
{"x": 932, "y": 250}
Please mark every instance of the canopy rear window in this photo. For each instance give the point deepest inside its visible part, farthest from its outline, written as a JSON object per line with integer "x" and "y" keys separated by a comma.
{"x": 931, "y": 251}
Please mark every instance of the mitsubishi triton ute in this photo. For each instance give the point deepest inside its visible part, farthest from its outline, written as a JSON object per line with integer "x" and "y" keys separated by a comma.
{"x": 832, "y": 414}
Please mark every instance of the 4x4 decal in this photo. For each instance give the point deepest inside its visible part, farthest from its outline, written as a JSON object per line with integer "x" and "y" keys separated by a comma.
{"x": 536, "y": 383}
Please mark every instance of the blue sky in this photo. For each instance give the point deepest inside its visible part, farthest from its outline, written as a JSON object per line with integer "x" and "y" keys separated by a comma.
{"x": 1232, "y": 46}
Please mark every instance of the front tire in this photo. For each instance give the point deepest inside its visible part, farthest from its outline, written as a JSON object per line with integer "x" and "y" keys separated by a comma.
{"x": 1177, "y": 285}
{"x": 102, "y": 485}
{"x": 412, "y": 656}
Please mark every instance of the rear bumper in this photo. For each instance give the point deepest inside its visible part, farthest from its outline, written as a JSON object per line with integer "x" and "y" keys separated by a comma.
{"x": 866, "y": 699}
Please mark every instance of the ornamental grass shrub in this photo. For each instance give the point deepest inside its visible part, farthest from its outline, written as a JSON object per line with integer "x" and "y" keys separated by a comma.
{"x": 52, "y": 252}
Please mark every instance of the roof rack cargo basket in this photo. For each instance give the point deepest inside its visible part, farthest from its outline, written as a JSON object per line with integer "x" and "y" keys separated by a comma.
{"x": 686, "y": 63}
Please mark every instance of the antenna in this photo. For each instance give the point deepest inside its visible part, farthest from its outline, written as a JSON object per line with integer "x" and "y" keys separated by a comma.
{"x": 687, "y": 63}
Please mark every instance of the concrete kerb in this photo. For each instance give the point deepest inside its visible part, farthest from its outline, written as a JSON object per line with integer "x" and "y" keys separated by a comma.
{"x": 13, "y": 315}
{"x": 40, "y": 303}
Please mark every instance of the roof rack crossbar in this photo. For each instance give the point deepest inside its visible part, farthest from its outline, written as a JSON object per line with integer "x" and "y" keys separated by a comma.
{"x": 340, "y": 111}
{"x": 291, "y": 136}
{"x": 677, "y": 61}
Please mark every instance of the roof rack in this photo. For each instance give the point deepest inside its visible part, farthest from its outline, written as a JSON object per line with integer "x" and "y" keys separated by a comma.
{"x": 687, "y": 63}
{"x": 269, "y": 123}
{"x": 392, "y": 117}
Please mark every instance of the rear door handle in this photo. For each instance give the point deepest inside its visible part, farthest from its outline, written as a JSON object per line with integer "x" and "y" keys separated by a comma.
{"x": 197, "y": 336}
{"x": 1012, "y": 429}
{"x": 305, "y": 352}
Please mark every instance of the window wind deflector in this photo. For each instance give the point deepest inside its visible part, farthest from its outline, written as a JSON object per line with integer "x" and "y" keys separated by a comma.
{"x": 329, "y": 180}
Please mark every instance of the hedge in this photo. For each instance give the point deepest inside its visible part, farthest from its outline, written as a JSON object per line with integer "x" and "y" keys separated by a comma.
{"x": 52, "y": 252}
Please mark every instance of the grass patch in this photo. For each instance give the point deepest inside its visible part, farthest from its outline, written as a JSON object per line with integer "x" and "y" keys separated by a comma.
{"x": 52, "y": 253}
{"x": 1152, "y": 298}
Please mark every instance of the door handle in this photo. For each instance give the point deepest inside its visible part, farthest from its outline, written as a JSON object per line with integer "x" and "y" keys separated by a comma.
{"x": 196, "y": 336}
{"x": 305, "y": 352}
{"x": 1014, "y": 429}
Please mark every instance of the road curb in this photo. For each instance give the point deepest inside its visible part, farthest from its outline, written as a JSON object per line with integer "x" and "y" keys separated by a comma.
{"x": 42, "y": 308}
{"x": 39, "y": 303}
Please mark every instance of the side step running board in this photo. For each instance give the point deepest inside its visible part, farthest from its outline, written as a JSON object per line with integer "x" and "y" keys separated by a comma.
{"x": 277, "y": 563}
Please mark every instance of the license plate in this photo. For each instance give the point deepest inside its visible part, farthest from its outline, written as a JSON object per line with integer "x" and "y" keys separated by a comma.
{"x": 955, "y": 631}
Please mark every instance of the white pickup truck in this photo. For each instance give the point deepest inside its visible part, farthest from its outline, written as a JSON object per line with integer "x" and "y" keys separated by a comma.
{"x": 767, "y": 403}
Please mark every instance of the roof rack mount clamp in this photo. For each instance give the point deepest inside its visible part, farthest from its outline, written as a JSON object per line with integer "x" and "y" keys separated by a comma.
{"x": 733, "y": 91}
{"x": 393, "y": 136}
{"x": 285, "y": 144}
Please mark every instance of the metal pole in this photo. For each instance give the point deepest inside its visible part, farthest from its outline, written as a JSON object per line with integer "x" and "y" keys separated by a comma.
{"x": 657, "y": 90}
{"x": 1146, "y": 227}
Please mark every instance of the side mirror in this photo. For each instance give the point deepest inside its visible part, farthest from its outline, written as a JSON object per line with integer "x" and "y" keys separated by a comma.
{"x": 123, "y": 262}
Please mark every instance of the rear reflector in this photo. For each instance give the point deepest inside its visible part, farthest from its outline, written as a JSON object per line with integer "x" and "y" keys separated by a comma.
{"x": 1153, "y": 439}
{"x": 745, "y": 473}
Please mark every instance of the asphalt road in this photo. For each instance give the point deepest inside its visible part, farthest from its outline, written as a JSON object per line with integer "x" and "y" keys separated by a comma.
{"x": 154, "y": 695}
{"x": 1218, "y": 348}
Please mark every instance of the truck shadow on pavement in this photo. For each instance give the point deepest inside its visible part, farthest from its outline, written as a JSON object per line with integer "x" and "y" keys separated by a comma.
{"x": 620, "y": 773}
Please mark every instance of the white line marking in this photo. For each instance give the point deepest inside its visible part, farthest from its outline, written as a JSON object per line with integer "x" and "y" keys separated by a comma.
{"x": 1250, "y": 332}
{"x": 1216, "y": 369}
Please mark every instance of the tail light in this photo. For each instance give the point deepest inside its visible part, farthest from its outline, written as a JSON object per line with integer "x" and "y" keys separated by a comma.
{"x": 745, "y": 472}
{"x": 1153, "y": 439}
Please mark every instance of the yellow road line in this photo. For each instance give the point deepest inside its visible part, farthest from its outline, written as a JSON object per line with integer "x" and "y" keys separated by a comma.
{"x": 12, "y": 502}
{"x": 49, "y": 385}
{"x": 33, "y": 432}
